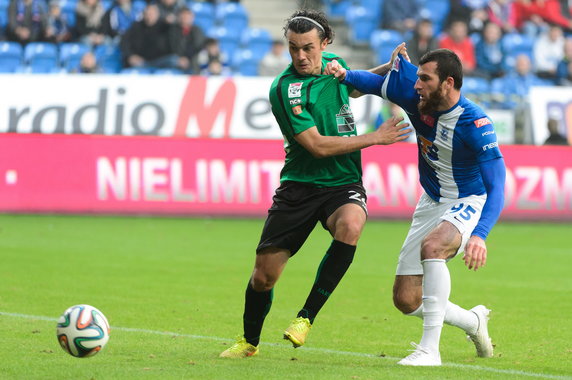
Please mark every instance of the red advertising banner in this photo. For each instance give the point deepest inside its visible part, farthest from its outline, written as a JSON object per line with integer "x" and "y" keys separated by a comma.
{"x": 152, "y": 175}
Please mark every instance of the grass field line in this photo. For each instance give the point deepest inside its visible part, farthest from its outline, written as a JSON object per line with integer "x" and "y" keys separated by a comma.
{"x": 314, "y": 349}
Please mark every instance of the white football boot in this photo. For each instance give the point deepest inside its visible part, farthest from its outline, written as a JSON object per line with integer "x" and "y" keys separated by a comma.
{"x": 421, "y": 357}
{"x": 481, "y": 338}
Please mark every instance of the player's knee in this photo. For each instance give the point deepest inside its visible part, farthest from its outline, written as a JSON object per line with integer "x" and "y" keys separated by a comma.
{"x": 348, "y": 230}
{"x": 262, "y": 282}
{"x": 431, "y": 249}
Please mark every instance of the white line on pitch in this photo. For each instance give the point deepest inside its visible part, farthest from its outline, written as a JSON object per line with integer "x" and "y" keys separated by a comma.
{"x": 315, "y": 349}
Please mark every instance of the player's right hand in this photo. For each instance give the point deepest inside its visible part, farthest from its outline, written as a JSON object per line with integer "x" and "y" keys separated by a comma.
{"x": 400, "y": 49}
{"x": 393, "y": 130}
{"x": 334, "y": 68}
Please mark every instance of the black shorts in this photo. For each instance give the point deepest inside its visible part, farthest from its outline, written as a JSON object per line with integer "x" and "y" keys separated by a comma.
{"x": 297, "y": 208}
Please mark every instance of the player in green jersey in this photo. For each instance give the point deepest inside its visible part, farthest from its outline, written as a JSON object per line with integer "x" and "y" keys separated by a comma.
{"x": 320, "y": 181}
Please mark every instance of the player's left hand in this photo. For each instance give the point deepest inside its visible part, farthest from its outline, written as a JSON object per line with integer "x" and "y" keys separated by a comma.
{"x": 475, "y": 255}
{"x": 334, "y": 68}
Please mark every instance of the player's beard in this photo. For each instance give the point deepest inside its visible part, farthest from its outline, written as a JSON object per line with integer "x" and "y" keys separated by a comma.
{"x": 428, "y": 105}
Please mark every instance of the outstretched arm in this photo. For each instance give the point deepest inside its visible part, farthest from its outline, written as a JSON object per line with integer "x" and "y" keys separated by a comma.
{"x": 494, "y": 174}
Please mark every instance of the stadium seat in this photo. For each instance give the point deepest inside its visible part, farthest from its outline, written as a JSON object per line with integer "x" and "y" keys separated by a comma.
{"x": 228, "y": 40}
{"x": 233, "y": 16}
{"x": 108, "y": 58}
{"x": 138, "y": 7}
{"x": 514, "y": 44}
{"x": 3, "y": 15}
{"x": 11, "y": 54}
{"x": 336, "y": 9}
{"x": 383, "y": 41}
{"x": 71, "y": 53}
{"x": 375, "y": 7}
{"x": 362, "y": 22}
{"x": 258, "y": 40}
{"x": 245, "y": 62}
{"x": 436, "y": 11}
{"x": 477, "y": 89}
{"x": 41, "y": 56}
{"x": 204, "y": 15}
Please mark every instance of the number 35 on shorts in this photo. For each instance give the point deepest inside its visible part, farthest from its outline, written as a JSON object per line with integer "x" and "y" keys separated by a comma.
{"x": 465, "y": 212}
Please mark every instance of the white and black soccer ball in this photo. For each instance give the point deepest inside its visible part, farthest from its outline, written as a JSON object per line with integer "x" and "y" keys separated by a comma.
{"x": 82, "y": 331}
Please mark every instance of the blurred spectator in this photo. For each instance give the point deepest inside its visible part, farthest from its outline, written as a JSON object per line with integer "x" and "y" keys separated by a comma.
{"x": 148, "y": 43}
{"x": 423, "y": 40}
{"x": 216, "y": 68}
{"x": 57, "y": 28}
{"x": 211, "y": 52}
{"x": 514, "y": 87}
{"x": 275, "y": 61}
{"x": 189, "y": 40}
{"x": 532, "y": 15}
{"x": 168, "y": 10}
{"x": 500, "y": 12}
{"x": 26, "y": 20}
{"x": 399, "y": 15}
{"x": 489, "y": 52}
{"x": 548, "y": 52}
{"x": 457, "y": 40}
{"x": 87, "y": 65}
{"x": 118, "y": 19}
{"x": 554, "y": 136}
{"x": 88, "y": 22}
{"x": 472, "y": 12}
{"x": 564, "y": 69}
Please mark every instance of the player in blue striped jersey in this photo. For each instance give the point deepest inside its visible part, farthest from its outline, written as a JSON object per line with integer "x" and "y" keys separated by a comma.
{"x": 462, "y": 172}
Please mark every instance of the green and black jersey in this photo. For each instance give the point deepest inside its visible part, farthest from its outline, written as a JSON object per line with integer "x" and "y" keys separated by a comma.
{"x": 300, "y": 102}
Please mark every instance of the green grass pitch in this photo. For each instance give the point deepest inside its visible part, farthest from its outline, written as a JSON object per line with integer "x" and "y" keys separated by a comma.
{"x": 173, "y": 290}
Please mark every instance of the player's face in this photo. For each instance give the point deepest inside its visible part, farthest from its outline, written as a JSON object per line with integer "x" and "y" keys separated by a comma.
{"x": 306, "y": 51}
{"x": 430, "y": 89}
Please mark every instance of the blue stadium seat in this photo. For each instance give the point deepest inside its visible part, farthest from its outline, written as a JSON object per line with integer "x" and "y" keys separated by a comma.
{"x": 138, "y": 7}
{"x": 232, "y": 16}
{"x": 258, "y": 40}
{"x": 204, "y": 15}
{"x": 383, "y": 41}
{"x": 477, "y": 89}
{"x": 436, "y": 11}
{"x": 375, "y": 7}
{"x": 11, "y": 54}
{"x": 362, "y": 22}
{"x": 514, "y": 44}
{"x": 71, "y": 53}
{"x": 108, "y": 58}
{"x": 41, "y": 56}
{"x": 336, "y": 9}
{"x": 245, "y": 62}
{"x": 3, "y": 15}
{"x": 228, "y": 40}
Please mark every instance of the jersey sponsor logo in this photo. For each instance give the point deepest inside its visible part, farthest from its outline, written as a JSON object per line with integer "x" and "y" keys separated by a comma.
{"x": 297, "y": 110}
{"x": 488, "y": 133}
{"x": 430, "y": 121}
{"x": 295, "y": 90}
{"x": 293, "y": 102}
{"x": 491, "y": 146}
{"x": 482, "y": 122}
{"x": 345, "y": 120}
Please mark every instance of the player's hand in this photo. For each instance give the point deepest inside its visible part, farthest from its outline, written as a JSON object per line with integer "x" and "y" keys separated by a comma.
{"x": 400, "y": 49}
{"x": 334, "y": 68}
{"x": 393, "y": 130}
{"x": 475, "y": 255}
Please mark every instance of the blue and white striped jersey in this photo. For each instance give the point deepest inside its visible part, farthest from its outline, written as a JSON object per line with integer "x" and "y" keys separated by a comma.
{"x": 451, "y": 144}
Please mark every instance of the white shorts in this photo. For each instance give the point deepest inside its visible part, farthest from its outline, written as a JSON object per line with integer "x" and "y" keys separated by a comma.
{"x": 463, "y": 213}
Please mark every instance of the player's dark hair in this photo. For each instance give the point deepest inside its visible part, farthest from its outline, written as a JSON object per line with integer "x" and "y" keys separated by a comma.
{"x": 448, "y": 65}
{"x": 301, "y": 25}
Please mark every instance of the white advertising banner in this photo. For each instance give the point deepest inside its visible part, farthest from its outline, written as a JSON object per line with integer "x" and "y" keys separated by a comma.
{"x": 551, "y": 102}
{"x": 168, "y": 106}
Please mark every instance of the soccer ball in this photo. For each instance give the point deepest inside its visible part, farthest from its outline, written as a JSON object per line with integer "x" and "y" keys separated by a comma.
{"x": 82, "y": 331}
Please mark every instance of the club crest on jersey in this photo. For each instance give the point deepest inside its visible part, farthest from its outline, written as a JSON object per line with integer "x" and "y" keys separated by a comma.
{"x": 297, "y": 110}
{"x": 345, "y": 120}
{"x": 430, "y": 121}
{"x": 295, "y": 90}
{"x": 396, "y": 64}
{"x": 444, "y": 134}
{"x": 482, "y": 122}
